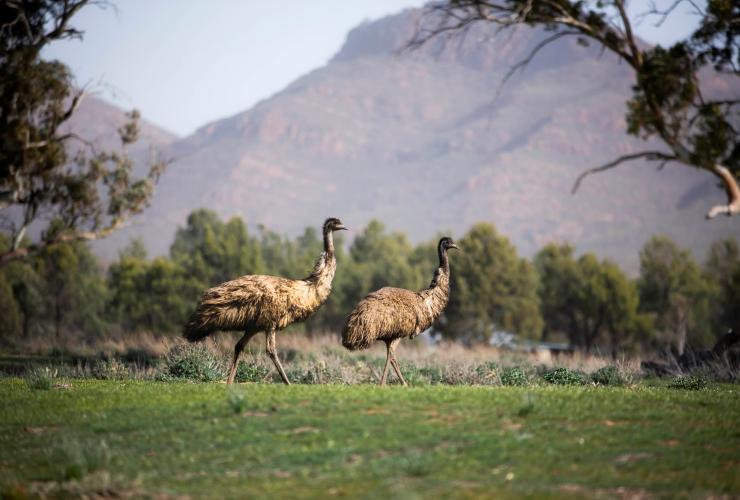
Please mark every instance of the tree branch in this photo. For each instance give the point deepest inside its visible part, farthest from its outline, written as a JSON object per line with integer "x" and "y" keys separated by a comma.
{"x": 648, "y": 155}
{"x": 733, "y": 193}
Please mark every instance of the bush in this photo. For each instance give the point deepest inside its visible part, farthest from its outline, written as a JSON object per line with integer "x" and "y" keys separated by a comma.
{"x": 607, "y": 375}
{"x": 689, "y": 383}
{"x": 564, "y": 376}
{"x": 248, "y": 372}
{"x": 193, "y": 362}
{"x": 237, "y": 400}
{"x": 74, "y": 459}
{"x": 311, "y": 373}
{"x": 485, "y": 374}
{"x": 39, "y": 379}
{"x": 514, "y": 376}
{"x": 110, "y": 369}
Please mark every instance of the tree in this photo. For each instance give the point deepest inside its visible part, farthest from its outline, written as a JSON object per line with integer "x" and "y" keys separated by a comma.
{"x": 74, "y": 288}
{"x": 384, "y": 259}
{"x": 667, "y": 100}
{"x": 50, "y": 178}
{"x": 491, "y": 289}
{"x": 10, "y": 325}
{"x": 559, "y": 279}
{"x": 588, "y": 300}
{"x": 722, "y": 271}
{"x": 673, "y": 290}
{"x": 155, "y": 296}
{"x": 213, "y": 252}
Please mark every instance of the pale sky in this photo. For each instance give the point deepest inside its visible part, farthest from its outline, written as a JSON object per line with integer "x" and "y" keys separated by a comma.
{"x": 184, "y": 63}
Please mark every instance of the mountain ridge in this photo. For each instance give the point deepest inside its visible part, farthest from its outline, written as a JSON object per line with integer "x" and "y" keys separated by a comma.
{"x": 418, "y": 141}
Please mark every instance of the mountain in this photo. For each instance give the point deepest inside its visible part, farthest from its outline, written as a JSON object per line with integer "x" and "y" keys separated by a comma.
{"x": 429, "y": 141}
{"x": 98, "y": 121}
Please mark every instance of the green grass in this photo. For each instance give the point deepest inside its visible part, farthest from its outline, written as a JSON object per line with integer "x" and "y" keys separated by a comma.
{"x": 142, "y": 438}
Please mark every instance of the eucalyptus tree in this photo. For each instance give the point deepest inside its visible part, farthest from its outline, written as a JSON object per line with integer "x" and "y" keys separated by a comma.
{"x": 668, "y": 101}
{"x": 50, "y": 177}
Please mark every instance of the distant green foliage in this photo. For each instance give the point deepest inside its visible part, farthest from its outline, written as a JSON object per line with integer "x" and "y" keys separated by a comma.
{"x": 514, "y": 376}
{"x": 722, "y": 271}
{"x": 607, "y": 375}
{"x": 582, "y": 300}
{"x": 492, "y": 289}
{"x": 564, "y": 376}
{"x": 673, "y": 290}
{"x": 689, "y": 383}
{"x": 194, "y": 362}
{"x": 588, "y": 300}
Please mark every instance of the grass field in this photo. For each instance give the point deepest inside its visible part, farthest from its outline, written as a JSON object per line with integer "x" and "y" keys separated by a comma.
{"x": 145, "y": 438}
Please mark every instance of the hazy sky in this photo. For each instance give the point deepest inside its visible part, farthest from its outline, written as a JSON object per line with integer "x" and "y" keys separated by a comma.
{"x": 184, "y": 63}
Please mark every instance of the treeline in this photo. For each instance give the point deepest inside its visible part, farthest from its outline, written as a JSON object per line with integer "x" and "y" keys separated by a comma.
{"x": 587, "y": 302}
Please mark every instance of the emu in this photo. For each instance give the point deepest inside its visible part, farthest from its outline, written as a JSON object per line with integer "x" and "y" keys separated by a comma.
{"x": 390, "y": 314}
{"x": 256, "y": 303}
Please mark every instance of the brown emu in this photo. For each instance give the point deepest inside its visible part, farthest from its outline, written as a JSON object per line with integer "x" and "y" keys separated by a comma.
{"x": 256, "y": 303}
{"x": 390, "y": 314}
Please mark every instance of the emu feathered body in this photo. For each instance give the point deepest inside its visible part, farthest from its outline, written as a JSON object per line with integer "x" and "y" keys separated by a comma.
{"x": 391, "y": 313}
{"x": 258, "y": 302}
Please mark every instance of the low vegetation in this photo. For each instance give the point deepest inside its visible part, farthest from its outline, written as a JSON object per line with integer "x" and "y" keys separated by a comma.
{"x": 146, "y": 438}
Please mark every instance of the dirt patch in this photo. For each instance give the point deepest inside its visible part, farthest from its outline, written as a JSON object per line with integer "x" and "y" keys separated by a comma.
{"x": 628, "y": 458}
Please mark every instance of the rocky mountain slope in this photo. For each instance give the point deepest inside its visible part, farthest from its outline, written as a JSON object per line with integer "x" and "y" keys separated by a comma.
{"x": 422, "y": 141}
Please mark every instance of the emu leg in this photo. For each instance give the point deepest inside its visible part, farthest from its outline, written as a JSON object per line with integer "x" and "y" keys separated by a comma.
{"x": 387, "y": 362}
{"x": 272, "y": 352}
{"x": 238, "y": 348}
{"x": 397, "y": 369}
{"x": 394, "y": 363}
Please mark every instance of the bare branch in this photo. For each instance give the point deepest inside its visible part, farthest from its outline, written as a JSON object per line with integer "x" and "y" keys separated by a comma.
{"x": 733, "y": 193}
{"x": 524, "y": 62}
{"x": 648, "y": 155}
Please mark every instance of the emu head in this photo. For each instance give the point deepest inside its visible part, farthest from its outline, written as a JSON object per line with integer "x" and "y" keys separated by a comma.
{"x": 333, "y": 224}
{"x": 446, "y": 243}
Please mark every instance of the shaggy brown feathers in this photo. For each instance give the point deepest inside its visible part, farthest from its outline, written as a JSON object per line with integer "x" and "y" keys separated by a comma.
{"x": 390, "y": 314}
{"x": 257, "y": 303}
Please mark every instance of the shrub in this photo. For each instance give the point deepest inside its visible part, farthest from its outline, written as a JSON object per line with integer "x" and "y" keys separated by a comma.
{"x": 110, "y": 369}
{"x": 486, "y": 373}
{"x": 74, "y": 458}
{"x": 237, "y": 400}
{"x": 689, "y": 383}
{"x": 607, "y": 375}
{"x": 432, "y": 375}
{"x": 514, "y": 376}
{"x": 564, "y": 376}
{"x": 312, "y": 373}
{"x": 39, "y": 379}
{"x": 194, "y": 362}
{"x": 248, "y": 372}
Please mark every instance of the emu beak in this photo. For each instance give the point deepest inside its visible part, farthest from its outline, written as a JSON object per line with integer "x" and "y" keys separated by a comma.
{"x": 340, "y": 228}
{"x": 454, "y": 246}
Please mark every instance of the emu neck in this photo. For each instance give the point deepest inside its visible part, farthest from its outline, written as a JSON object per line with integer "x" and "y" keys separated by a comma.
{"x": 438, "y": 293}
{"x": 329, "y": 243}
{"x": 323, "y": 270}
{"x": 444, "y": 263}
